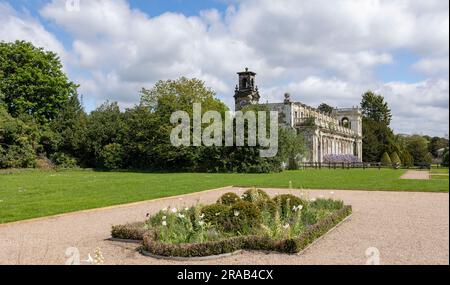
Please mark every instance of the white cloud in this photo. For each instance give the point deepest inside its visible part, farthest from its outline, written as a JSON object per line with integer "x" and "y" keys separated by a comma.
{"x": 20, "y": 26}
{"x": 433, "y": 66}
{"x": 316, "y": 50}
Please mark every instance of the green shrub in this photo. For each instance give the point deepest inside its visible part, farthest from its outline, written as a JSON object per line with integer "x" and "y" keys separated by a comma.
{"x": 112, "y": 156}
{"x": 19, "y": 140}
{"x": 242, "y": 217}
{"x": 19, "y": 157}
{"x": 386, "y": 160}
{"x": 445, "y": 158}
{"x": 407, "y": 159}
{"x": 63, "y": 160}
{"x": 216, "y": 214}
{"x": 267, "y": 206}
{"x": 395, "y": 159}
{"x": 129, "y": 231}
{"x": 228, "y": 199}
{"x": 428, "y": 158}
{"x": 287, "y": 202}
{"x": 255, "y": 195}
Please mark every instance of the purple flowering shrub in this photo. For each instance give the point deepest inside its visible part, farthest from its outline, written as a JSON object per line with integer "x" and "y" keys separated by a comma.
{"x": 339, "y": 158}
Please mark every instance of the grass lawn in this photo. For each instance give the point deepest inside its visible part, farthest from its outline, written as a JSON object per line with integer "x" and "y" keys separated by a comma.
{"x": 31, "y": 193}
{"x": 439, "y": 170}
{"x": 440, "y": 177}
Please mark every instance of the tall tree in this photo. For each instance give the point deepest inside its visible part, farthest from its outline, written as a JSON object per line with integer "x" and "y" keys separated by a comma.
{"x": 377, "y": 139}
{"x": 18, "y": 141}
{"x": 105, "y": 131}
{"x": 377, "y": 136}
{"x": 32, "y": 81}
{"x": 435, "y": 144}
{"x": 170, "y": 96}
{"x": 374, "y": 107}
{"x": 70, "y": 126}
{"x": 325, "y": 108}
{"x": 418, "y": 147}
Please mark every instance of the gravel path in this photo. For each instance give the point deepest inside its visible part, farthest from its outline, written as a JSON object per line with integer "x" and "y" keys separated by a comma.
{"x": 406, "y": 228}
{"x": 415, "y": 174}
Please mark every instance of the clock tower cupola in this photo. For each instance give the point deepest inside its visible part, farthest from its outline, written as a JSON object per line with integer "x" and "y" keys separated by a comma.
{"x": 246, "y": 91}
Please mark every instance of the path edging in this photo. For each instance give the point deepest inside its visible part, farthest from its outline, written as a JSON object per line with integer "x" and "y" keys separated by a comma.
{"x": 111, "y": 207}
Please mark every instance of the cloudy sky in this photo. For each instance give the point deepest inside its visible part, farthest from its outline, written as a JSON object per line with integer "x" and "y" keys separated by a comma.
{"x": 318, "y": 50}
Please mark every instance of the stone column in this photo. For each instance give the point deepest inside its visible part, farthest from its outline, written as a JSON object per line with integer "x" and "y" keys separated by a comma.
{"x": 321, "y": 149}
{"x": 315, "y": 152}
{"x": 328, "y": 145}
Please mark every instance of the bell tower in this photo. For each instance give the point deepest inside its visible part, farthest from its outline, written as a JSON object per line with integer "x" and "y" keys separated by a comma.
{"x": 246, "y": 92}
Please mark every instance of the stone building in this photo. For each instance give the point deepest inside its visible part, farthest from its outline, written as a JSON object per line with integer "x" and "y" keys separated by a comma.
{"x": 338, "y": 133}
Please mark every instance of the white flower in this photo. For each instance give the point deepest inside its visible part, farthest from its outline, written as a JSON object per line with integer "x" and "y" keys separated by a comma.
{"x": 164, "y": 218}
{"x": 181, "y": 216}
{"x": 218, "y": 214}
{"x": 201, "y": 223}
{"x": 202, "y": 216}
{"x": 313, "y": 199}
{"x": 174, "y": 210}
{"x": 164, "y": 223}
{"x": 297, "y": 208}
{"x": 236, "y": 213}
{"x": 286, "y": 226}
{"x": 186, "y": 209}
{"x": 164, "y": 210}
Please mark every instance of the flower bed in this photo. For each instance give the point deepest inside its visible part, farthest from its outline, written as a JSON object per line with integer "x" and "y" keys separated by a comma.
{"x": 254, "y": 221}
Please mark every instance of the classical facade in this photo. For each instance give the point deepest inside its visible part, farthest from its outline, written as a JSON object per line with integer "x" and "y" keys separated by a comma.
{"x": 338, "y": 133}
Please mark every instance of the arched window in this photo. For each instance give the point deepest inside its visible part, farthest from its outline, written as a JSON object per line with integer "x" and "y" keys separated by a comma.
{"x": 345, "y": 122}
{"x": 244, "y": 83}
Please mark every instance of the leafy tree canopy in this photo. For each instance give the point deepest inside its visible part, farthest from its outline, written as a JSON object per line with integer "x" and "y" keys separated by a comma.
{"x": 168, "y": 96}
{"x": 418, "y": 148}
{"x": 374, "y": 107}
{"x": 32, "y": 81}
{"x": 435, "y": 144}
{"x": 377, "y": 139}
{"x": 325, "y": 108}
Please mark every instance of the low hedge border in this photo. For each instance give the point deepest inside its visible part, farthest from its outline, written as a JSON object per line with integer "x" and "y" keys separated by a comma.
{"x": 129, "y": 232}
{"x": 197, "y": 258}
{"x": 153, "y": 247}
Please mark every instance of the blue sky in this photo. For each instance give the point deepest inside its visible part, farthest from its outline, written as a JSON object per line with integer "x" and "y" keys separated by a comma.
{"x": 317, "y": 51}
{"x": 186, "y": 7}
